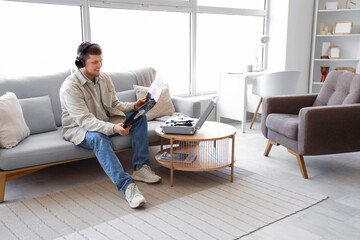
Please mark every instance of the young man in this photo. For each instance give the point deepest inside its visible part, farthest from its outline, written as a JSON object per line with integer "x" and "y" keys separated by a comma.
{"x": 91, "y": 115}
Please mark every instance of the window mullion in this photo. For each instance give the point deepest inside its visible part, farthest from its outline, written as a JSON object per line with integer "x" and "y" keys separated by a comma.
{"x": 85, "y": 21}
{"x": 193, "y": 37}
{"x": 266, "y": 32}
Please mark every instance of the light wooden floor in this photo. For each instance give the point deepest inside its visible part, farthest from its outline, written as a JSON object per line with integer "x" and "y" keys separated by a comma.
{"x": 337, "y": 176}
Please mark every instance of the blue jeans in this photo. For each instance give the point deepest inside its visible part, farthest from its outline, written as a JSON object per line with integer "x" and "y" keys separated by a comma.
{"x": 102, "y": 146}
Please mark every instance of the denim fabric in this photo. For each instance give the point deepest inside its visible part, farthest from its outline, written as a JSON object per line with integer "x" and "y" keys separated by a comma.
{"x": 101, "y": 144}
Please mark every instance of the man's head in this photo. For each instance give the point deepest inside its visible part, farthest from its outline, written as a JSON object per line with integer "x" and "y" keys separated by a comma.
{"x": 89, "y": 59}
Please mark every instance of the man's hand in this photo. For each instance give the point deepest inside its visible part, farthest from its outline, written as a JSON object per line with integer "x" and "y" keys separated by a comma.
{"x": 118, "y": 128}
{"x": 139, "y": 103}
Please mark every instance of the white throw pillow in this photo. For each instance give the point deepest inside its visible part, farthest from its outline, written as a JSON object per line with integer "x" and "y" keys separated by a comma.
{"x": 13, "y": 128}
{"x": 164, "y": 105}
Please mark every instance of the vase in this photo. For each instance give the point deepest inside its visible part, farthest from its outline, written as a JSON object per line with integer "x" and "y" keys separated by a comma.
{"x": 324, "y": 72}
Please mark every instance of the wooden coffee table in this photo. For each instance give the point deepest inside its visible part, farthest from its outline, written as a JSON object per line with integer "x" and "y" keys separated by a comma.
{"x": 208, "y": 149}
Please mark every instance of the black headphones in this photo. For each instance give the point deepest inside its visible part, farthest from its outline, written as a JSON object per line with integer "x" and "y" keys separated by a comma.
{"x": 80, "y": 62}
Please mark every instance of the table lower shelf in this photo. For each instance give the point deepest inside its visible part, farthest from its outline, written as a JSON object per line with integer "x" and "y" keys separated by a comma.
{"x": 204, "y": 159}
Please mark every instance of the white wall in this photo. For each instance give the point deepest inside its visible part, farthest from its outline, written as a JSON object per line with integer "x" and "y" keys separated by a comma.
{"x": 278, "y": 22}
{"x": 290, "y": 31}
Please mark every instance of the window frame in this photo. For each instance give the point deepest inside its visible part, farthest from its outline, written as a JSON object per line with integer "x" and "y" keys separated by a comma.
{"x": 189, "y": 6}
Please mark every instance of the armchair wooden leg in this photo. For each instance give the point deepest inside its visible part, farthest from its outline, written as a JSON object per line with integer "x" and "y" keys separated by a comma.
{"x": 268, "y": 147}
{"x": 2, "y": 187}
{"x": 301, "y": 162}
{"x": 256, "y": 112}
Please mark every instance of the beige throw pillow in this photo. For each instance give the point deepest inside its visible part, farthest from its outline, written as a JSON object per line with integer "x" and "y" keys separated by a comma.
{"x": 164, "y": 105}
{"x": 13, "y": 128}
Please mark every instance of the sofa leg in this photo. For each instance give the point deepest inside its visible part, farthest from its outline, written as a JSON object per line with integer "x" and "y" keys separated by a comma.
{"x": 268, "y": 147}
{"x": 300, "y": 159}
{"x": 2, "y": 187}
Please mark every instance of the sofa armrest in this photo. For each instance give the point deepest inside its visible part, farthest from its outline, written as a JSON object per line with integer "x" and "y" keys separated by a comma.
{"x": 329, "y": 129}
{"x": 186, "y": 106}
{"x": 290, "y": 104}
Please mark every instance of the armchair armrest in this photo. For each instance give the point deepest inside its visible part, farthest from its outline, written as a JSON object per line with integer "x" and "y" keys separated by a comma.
{"x": 290, "y": 104}
{"x": 189, "y": 107}
{"x": 329, "y": 129}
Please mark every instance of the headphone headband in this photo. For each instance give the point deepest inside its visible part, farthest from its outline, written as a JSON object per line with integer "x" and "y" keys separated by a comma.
{"x": 80, "y": 62}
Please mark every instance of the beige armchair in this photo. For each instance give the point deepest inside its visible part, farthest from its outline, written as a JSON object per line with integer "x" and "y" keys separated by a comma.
{"x": 315, "y": 124}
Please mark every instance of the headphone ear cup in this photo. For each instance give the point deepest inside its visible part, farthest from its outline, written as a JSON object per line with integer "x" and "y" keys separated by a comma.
{"x": 79, "y": 63}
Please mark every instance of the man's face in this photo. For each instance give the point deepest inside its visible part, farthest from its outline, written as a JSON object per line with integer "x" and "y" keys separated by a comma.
{"x": 92, "y": 66}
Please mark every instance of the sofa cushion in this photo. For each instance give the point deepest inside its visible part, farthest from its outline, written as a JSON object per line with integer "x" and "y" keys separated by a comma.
{"x": 35, "y": 86}
{"x": 339, "y": 88}
{"x": 164, "y": 105}
{"x": 50, "y": 147}
{"x": 123, "y": 80}
{"x": 152, "y": 125}
{"x": 38, "y": 114}
{"x": 40, "y": 149}
{"x": 126, "y": 96}
{"x": 13, "y": 127}
{"x": 285, "y": 124}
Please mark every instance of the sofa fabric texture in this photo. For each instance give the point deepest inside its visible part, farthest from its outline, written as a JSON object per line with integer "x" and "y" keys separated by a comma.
{"x": 340, "y": 88}
{"x": 36, "y": 86}
{"x": 285, "y": 124}
{"x": 38, "y": 114}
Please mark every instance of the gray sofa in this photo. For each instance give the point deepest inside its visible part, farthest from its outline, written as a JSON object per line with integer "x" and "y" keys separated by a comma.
{"x": 45, "y": 145}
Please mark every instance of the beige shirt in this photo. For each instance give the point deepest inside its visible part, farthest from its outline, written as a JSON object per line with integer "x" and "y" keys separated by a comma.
{"x": 81, "y": 111}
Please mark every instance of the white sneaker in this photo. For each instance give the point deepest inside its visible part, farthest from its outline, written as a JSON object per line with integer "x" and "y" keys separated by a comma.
{"x": 144, "y": 174}
{"x": 134, "y": 196}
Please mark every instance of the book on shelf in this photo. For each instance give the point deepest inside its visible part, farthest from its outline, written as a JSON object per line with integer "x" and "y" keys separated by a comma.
{"x": 178, "y": 157}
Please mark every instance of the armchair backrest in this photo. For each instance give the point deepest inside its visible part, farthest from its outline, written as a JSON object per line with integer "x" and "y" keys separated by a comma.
{"x": 339, "y": 88}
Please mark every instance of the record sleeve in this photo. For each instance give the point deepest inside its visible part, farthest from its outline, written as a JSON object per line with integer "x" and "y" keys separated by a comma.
{"x": 152, "y": 96}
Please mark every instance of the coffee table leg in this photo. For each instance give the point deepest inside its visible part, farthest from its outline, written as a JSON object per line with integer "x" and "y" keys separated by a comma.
{"x": 171, "y": 162}
{"x": 161, "y": 144}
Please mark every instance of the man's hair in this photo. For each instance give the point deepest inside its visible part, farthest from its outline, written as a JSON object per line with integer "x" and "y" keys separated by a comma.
{"x": 93, "y": 49}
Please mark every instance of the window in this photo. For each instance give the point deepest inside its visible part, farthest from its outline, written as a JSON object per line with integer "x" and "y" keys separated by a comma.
{"x": 42, "y": 37}
{"x": 226, "y": 43}
{"x": 37, "y": 38}
{"x": 133, "y": 38}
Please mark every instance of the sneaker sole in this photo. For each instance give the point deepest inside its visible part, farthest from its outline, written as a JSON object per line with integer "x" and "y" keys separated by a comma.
{"x": 139, "y": 205}
{"x": 144, "y": 180}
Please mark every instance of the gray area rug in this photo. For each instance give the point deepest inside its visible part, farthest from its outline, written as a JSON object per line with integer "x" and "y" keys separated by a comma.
{"x": 201, "y": 205}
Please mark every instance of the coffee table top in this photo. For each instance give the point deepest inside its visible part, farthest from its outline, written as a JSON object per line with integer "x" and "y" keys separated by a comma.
{"x": 209, "y": 131}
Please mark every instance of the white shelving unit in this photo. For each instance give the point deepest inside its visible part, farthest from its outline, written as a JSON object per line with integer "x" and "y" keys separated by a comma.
{"x": 349, "y": 43}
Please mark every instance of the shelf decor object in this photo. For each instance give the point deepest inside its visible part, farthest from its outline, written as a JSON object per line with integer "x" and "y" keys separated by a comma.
{"x": 349, "y": 69}
{"x": 325, "y": 50}
{"x": 342, "y": 27}
{"x": 324, "y": 73}
{"x": 347, "y": 4}
{"x": 331, "y": 5}
{"x": 334, "y": 52}
{"x": 324, "y": 30}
